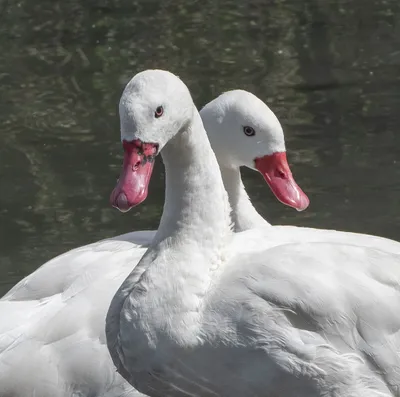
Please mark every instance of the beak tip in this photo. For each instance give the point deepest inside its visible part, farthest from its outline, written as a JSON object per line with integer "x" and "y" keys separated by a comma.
{"x": 304, "y": 203}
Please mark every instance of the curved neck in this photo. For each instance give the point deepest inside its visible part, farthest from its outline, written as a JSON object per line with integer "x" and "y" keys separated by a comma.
{"x": 164, "y": 292}
{"x": 196, "y": 203}
{"x": 194, "y": 230}
{"x": 244, "y": 215}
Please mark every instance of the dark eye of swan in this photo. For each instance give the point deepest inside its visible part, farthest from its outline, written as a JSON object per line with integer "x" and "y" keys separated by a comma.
{"x": 159, "y": 112}
{"x": 249, "y": 131}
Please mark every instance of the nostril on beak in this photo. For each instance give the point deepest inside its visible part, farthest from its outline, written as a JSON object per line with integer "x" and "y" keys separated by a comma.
{"x": 281, "y": 174}
{"x": 136, "y": 165}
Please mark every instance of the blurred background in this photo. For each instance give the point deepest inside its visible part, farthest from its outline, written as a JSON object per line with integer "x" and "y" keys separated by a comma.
{"x": 329, "y": 69}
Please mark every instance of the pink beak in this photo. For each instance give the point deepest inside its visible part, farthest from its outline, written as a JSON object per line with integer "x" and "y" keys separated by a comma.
{"x": 133, "y": 183}
{"x": 276, "y": 172}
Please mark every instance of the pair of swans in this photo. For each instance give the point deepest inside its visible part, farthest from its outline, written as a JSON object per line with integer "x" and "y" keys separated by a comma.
{"x": 52, "y": 339}
{"x": 269, "y": 311}
{"x": 201, "y": 314}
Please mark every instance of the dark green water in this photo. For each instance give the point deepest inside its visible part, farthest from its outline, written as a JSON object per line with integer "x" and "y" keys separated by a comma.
{"x": 328, "y": 68}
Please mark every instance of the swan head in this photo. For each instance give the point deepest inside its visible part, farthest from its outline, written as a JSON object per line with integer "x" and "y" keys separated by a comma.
{"x": 243, "y": 131}
{"x": 154, "y": 107}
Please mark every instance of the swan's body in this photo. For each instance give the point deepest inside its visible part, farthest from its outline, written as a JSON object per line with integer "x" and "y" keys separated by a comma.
{"x": 206, "y": 314}
{"x": 52, "y": 340}
{"x": 52, "y": 343}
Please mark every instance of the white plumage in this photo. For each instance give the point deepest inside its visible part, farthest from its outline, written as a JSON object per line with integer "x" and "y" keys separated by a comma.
{"x": 208, "y": 312}
{"x": 52, "y": 340}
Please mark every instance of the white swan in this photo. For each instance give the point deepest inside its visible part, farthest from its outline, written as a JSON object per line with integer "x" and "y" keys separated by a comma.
{"x": 226, "y": 117}
{"x": 245, "y": 129}
{"x": 52, "y": 340}
{"x": 200, "y": 316}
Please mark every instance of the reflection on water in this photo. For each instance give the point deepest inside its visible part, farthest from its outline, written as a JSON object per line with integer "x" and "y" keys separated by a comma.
{"x": 329, "y": 69}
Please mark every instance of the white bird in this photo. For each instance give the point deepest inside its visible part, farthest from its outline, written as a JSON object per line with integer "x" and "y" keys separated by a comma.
{"x": 244, "y": 129}
{"x": 201, "y": 314}
{"x": 52, "y": 339}
{"x": 227, "y": 119}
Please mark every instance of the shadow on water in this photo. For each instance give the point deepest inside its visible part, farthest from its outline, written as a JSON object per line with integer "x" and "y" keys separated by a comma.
{"x": 329, "y": 69}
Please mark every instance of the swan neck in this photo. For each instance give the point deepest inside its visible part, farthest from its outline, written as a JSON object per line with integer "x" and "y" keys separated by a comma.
{"x": 162, "y": 297}
{"x": 196, "y": 209}
{"x": 244, "y": 215}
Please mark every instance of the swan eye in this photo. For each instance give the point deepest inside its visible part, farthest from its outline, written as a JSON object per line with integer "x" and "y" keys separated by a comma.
{"x": 159, "y": 112}
{"x": 249, "y": 131}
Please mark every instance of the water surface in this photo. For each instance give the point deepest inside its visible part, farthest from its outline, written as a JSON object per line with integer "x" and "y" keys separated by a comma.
{"x": 329, "y": 69}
